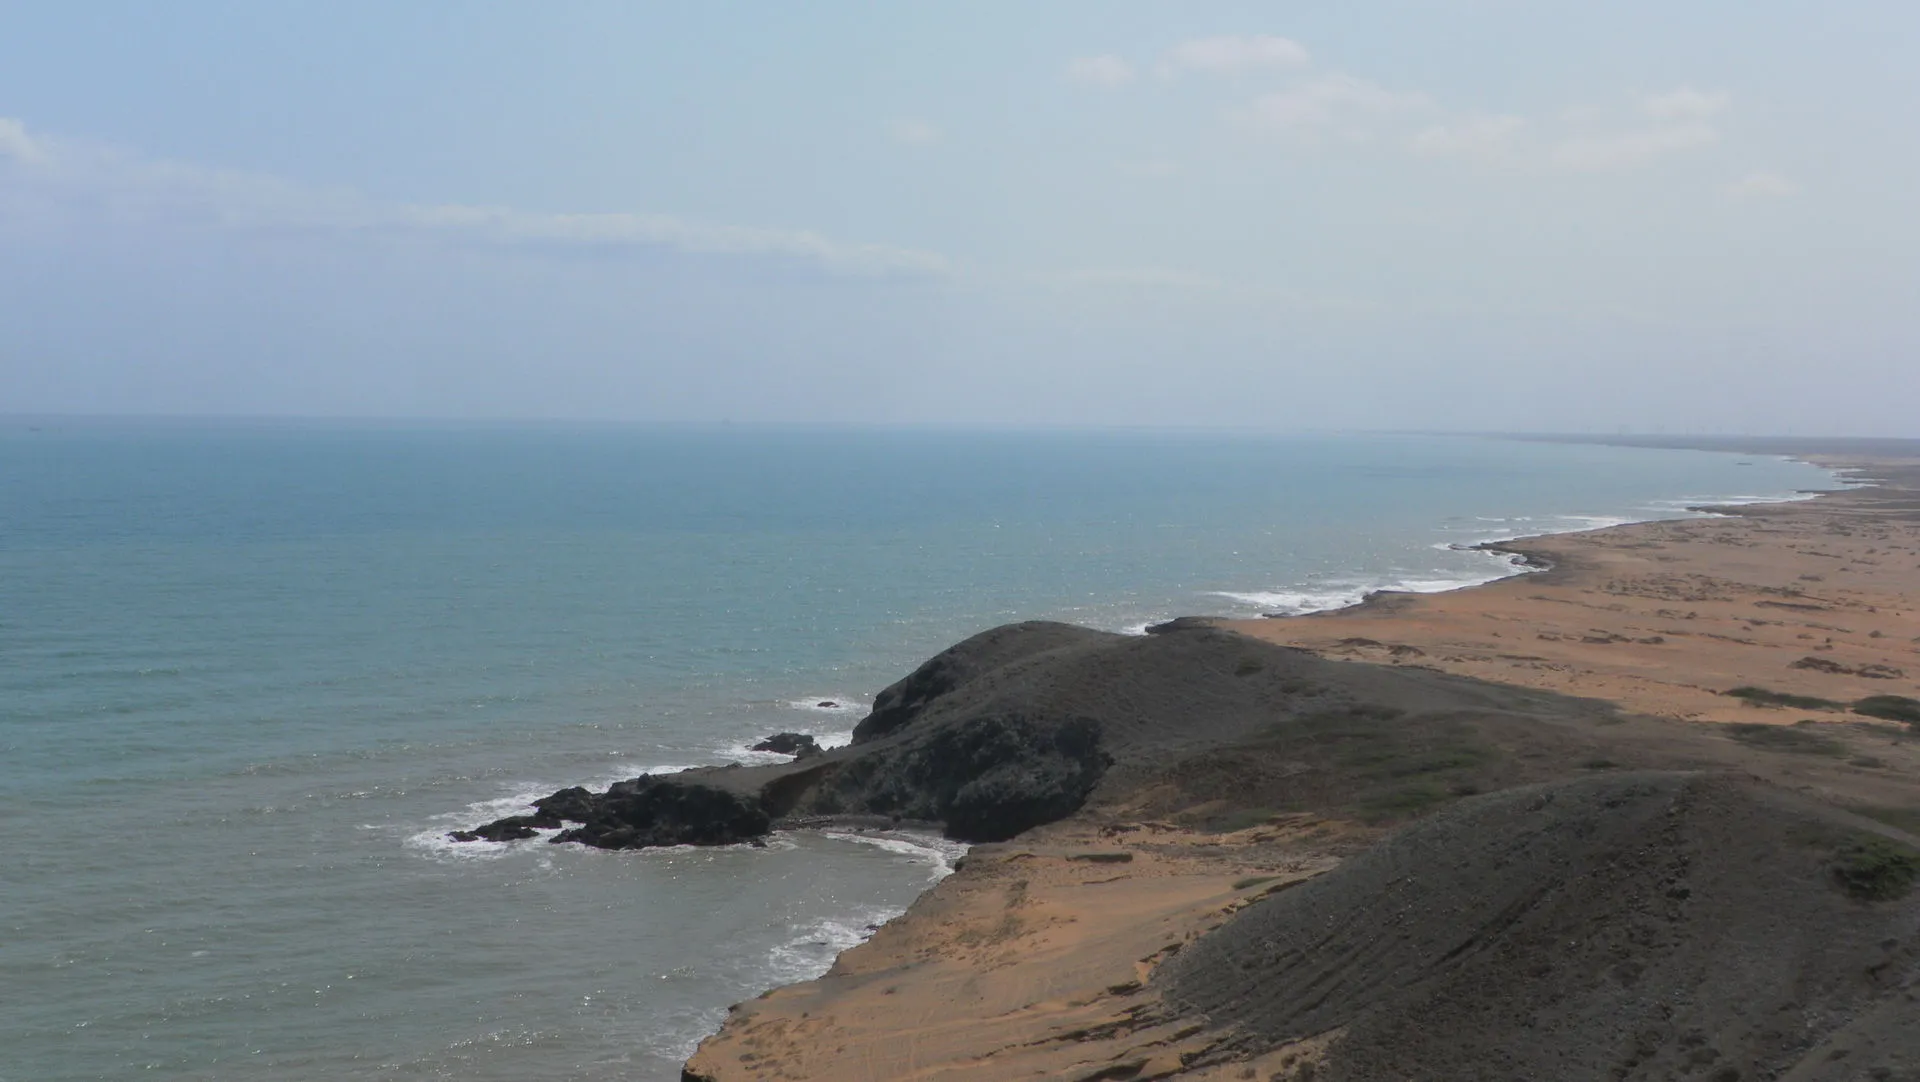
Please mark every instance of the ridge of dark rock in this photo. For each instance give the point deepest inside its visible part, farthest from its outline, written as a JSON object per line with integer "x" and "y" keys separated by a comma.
{"x": 903, "y": 701}
{"x": 798, "y": 745}
{"x": 1019, "y": 726}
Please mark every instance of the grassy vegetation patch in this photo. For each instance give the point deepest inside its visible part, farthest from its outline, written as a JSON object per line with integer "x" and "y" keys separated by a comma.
{"x": 1403, "y": 802}
{"x": 1890, "y": 707}
{"x": 1792, "y": 739}
{"x": 1875, "y": 869}
{"x": 1763, "y": 697}
{"x": 1254, "y": 881}
{"x": 1385, "y": 752}
{"x": 1372, "y": 763}
{"x": 1393, "y": 771}
{"x": 1907, "y": 819}
{"x": 1243, "y": 819}
{"x": 1388, "y": 761}
{"x": 1247, "y": 667}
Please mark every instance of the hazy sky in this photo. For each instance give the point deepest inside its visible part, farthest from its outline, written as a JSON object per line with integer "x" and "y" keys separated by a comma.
{"x": 1514, "y": 214}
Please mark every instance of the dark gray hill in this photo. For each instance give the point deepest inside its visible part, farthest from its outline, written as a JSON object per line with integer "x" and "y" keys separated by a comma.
{"x": 1652, "y": 925}
{"x": 1179, "y": 691}
{"x": 1016, "y": 726}
{"x": 1019, "y": 725}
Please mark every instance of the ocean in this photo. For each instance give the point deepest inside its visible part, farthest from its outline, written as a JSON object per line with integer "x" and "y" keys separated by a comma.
{"x": 251, "y": 673}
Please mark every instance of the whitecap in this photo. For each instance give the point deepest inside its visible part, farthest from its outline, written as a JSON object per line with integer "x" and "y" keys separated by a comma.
{"x": 432, "y": 840}
{"x": 435, "y": 844}
{"x": 1295, "y": 602}
{"x": 676, "y": 1038}
{"x": 1342, "y": 594}
{"x": 742, "y": 751}
{"x": 813, "y": 947}
{"x": 941, "y": 855}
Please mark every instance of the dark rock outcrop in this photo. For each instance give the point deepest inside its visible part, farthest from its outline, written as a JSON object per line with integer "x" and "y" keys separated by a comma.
{"x": 512, "y": 828}
{"x": 1182, "y": 623}
{"x": 798, "y": 745}
{"x": 551, "y": 811}
{"x": 576, "y": 804}
{"x": 957, "y": 665}
{"x": 675, "y": 809}
{"x": 1019, "y": 726}
{"x": 670, "y": 810}
{"x": 987, "y": 777}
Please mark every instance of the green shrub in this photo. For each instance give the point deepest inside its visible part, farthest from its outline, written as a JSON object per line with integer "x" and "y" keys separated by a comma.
{"x": 1785, "y": 738}
{"x": 1874, "y": 869}
{"x": 1763, "y": 697}
{"x": 1240, "y": 819}
{"x": 1907, "y": 819}
{"x": 1890, "y": 707}
{"x": 1401, "y": 803}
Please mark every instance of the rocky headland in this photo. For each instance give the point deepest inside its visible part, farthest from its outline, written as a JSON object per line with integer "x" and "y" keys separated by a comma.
{"x": 1018, "y": 726}
{"x": 1597, "y": 822}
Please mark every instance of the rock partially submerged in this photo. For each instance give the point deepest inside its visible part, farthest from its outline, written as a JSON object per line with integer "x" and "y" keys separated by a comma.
{"x": 654, "y": 811}
{"x": 798, "y": 745}
{"x": 550, "y": 813}
{"x": 639, "y": 813}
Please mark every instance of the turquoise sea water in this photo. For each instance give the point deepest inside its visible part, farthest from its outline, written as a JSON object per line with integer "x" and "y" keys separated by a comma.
{"x": 250, "y": 674}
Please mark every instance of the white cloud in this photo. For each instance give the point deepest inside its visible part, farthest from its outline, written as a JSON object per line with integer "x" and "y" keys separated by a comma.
{"x": 915, "y": 133}
{"x": 1336, "y": 104}
{"x": 1153, "y": 278}
{"x": 1131, "y": 284}
{"x": 1762, "y": 184}
{"x": 82, "y": 180}
{"x": 1229, "y": 54}
{"x": 1106, "y": 72}
{"x": 508, "y": 227}
{"x": 1625, "y": 150}
{"x": 1680, "y": 120}
{"x": 1471, "y": 136}
{"x": 1686, "y": 104}
{"x": 15, "y": 143}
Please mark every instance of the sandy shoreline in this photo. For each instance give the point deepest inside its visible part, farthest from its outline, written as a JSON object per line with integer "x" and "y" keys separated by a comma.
{"x": 1030, "y": 961}
{"x": 1662, "y": 617}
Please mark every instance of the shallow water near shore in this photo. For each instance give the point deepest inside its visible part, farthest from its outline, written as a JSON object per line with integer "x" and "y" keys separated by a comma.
{"x": 252, "y": 674}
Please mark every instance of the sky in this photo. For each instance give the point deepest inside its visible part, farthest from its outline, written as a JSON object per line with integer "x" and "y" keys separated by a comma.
{"x": 1433, "y": 214}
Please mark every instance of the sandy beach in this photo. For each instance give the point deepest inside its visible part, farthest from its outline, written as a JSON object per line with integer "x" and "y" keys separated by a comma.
{"x": 1811, "y": 598}
{"x": 1034, "y": 959}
